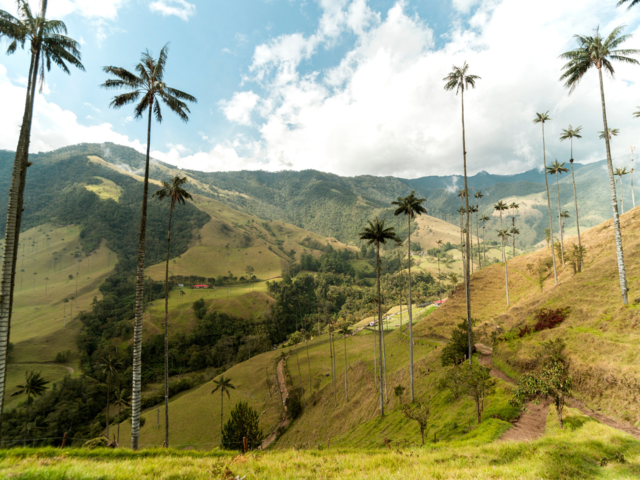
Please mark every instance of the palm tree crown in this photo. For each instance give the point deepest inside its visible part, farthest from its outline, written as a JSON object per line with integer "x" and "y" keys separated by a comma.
{"x": 571, "y": 133}
{"x": 542, "y": 117}
{"x": 556, "y": 167}
{"x": 224, "y": 385}
{"x": 148, "y": 84}
{"x": 410, "y": 205}
{"x": 174, "y": 191}
{"x": 47, "y": 35}
{"x": 459, "y": 80}
{"x": 376, "y": 233}
{"x": 595, "y": 51}
{"x": 632, "y": 3}
{"x": 612, "y": 132}
{"x": 34, "y": 385}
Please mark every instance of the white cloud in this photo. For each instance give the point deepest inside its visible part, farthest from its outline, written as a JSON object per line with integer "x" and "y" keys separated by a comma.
{"x": 383, "y": 110}
{"x": 239, "y": 108}
{"x": 53, "y": 127}
{"x": 87, "y": 8}
{"x": 464, "y": 6}
{"x": 180, "y": 8}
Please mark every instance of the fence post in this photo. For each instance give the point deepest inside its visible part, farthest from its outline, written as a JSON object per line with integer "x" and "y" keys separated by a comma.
{"x": 64, "y": 440}
{"x": 244, "y": 444}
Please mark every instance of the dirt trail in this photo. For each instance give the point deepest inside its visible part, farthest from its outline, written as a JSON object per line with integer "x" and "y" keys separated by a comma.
{"x": 284, "y": 421}
{"x": 532, "y": 422}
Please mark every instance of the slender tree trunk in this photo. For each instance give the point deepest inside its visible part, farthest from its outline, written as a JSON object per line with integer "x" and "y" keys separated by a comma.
{"x": 633, "y": 196}
{"x": 467, "y": 276}
{"x": 14, "y": 220}
{"x": 221, "y": 412}
{"x": 166, "y": 332}
{"x": 621, "y": 195}
{"x": 379, "y": 324}
{"x": 410, "y": 316}
{"x": 614, "y": 203}
{"x": 139, "y": 311}
{"x": 333, "y": 368}
{"x": 108, "y": 401}
{"x": 506, "y": 275}
{"x": 375, "y": 360}
{"x": 575, "y": 199}
{"x": 346, "y": 390}
{"x": 546, "y": 182}
{"x": 560, "y": 221}
{"x": 478, "y": 234}
{"x": 484, "y": 250}
{"x": 309, "y": 364}
{"x": 119, "y": 422}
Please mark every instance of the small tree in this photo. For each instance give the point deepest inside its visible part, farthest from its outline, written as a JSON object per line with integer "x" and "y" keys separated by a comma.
{"x": 455, "y": 351}
{"x": 244, "y": 423}
{"x": 453, "y": 380}
{"x": 478, "y": 385}
{"x": 418, "y": 411}
{"x": 399, "y": 391}
{"x": 552, "y": 381}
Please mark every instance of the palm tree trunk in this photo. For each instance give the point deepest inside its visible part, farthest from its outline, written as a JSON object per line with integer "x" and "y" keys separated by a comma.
{"x": 467, "y": 276}
{"x": 478, "y": 234}
{"x": 575, "y": 199}
{"x": 14, "y": 220}
{"x": 346, "y": 390}
{"x": 614, "y": 203}
{"x": 560, "y": 221}
{"x": 166, "y": 332}
{"x": 506, "y": 275}
{"x": 137, "y": 326}
{"x": 108, "y": 401}
{"x": 410, "y": 316}
{"x": 484, "y": 250}
{"x": 119, "y": 421}
{"x": 633, "y": 196}
{"x": 309, "y": 364}
{"x": 546, "y": 182}
{"x": 333, "y": 368}
{"x": 221, "y": 412}
{"x": 379, "y": 323}
{"x": 621, "y": 195}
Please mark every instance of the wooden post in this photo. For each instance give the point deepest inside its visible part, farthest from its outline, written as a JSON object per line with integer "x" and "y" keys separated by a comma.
{"x": 64, "y": 440}
{"x": 435, "y": 438}
{"x": 244, "y": 444}
{"x": 387, "y": 442}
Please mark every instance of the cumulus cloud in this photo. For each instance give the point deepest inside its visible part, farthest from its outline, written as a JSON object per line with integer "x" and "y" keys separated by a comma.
{"x": 239, "y": 108}
{"x": 53, "y": 127}
{"x": 180, "y": 8}
{"x": 383, "y": 110}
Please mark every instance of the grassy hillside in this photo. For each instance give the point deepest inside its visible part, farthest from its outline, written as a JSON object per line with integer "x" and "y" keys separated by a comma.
{"x": 601, "y": 333}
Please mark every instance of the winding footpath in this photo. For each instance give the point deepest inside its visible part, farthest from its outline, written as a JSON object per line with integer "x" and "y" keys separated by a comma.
{"x": 532, "y": 422}
{"x": 284, "y": 420}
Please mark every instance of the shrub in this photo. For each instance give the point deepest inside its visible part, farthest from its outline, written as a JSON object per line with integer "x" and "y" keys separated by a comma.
{"x": 455, "y": 352}
{"x": 294, "y": 403}
{"x": 244, "y": 423}
{"x": 549, "y": 318}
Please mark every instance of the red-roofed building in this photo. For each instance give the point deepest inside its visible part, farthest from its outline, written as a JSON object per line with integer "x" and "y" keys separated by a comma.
{"x": 200, "y": 286}
{"x": 439, "y": 303}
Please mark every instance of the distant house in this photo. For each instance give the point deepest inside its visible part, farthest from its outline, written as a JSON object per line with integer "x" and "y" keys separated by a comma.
{"x": 201, "y": 286}
{"x": 439, "y": 303}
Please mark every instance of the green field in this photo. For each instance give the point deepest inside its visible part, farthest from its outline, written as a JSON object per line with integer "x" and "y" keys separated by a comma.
{"x": 585, "y": 449}
{"x": 105, "y": 190}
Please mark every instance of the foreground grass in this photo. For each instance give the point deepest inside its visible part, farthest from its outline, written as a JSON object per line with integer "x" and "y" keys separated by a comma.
{"x": 583, "y": 450}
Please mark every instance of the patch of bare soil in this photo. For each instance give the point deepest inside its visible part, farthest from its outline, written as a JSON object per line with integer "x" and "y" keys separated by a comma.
{"x": 625, "y": 427}
{"x": 530, "y": 425}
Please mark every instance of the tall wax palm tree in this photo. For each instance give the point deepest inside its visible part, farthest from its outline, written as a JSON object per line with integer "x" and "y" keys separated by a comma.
{"x": 514, "y": 206}
{"x": 563, "y": 216}
{"x": 224, "y": 385}
{"x": 460, "y": 80}
{"x": 500, "y": 207}
{"x": 149, "y": 87}
{"x": 410, "y": 206}
{"x": 596, "y": 51}
{"x": 307, "y": 336}
{"x": 376, "y": 233}
{"x": 633, "y": 196}
{"x": 484, "y": 219}
{"x": 473, "y": 209}
{"x": 177, "y": 195}
{"x": 345, "y": 331}
{"x": 110, "y": 365}
{"x": 542, "y": 118}
{"x": 571, "y": 133}
{"x": 121, "y": 399}
{"x": 558, "y": 169}
{"x": 503, "y": 234}
{"x": 621, "y": 172}
{"x": 34, "y": 386}
{"x": 439, "y": 243}
{"x": 478, "y": 196}
{"x": 48, "y": 44}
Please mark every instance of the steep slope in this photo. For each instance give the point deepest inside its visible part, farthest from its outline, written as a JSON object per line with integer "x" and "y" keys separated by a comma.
{"x": 601, "y": 333}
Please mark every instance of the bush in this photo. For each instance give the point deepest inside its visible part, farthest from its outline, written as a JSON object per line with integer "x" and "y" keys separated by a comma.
{"x": 244, "y": 423}
{"x": 549, "y": 318}
{"x": 63, "y": 357}
{"x": 455, "y": 352}
{"x": 294, "y": 403}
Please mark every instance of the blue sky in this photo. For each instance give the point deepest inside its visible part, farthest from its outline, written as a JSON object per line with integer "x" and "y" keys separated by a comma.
{"x": 346, "y": 86}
